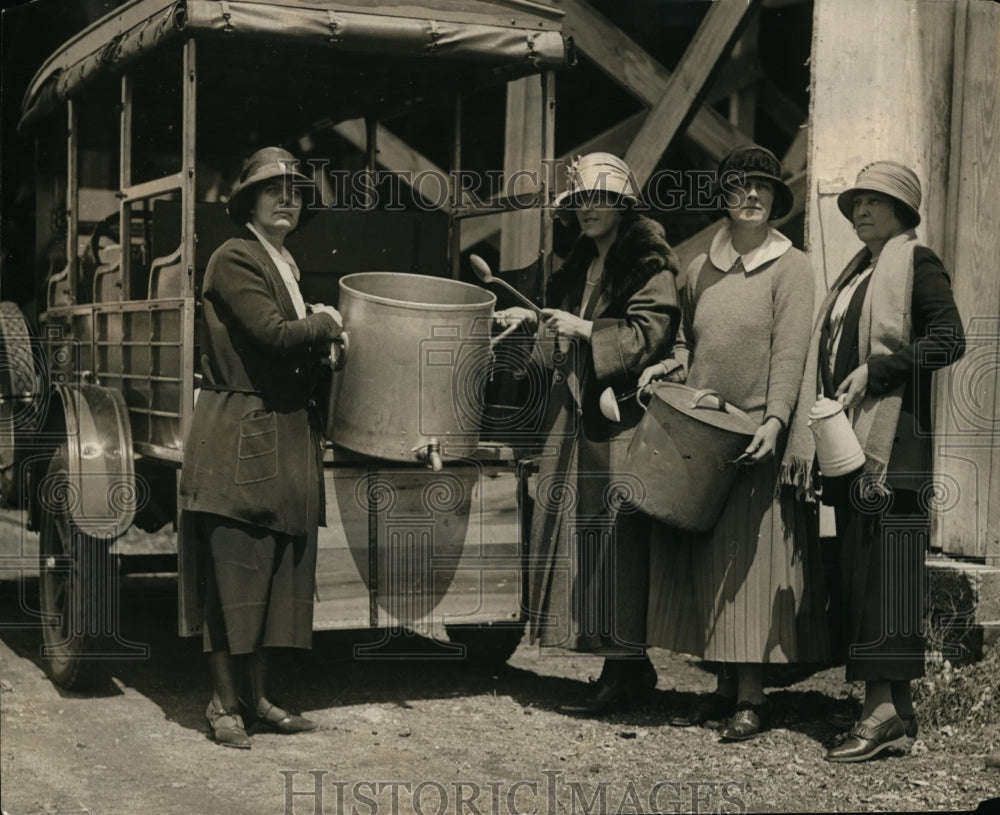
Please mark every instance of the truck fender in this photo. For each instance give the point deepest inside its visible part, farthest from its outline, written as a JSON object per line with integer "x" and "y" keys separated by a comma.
{"x": 102, "y": 492}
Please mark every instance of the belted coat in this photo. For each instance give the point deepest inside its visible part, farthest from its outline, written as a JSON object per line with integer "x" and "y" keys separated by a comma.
{"x": 253, "y": 452}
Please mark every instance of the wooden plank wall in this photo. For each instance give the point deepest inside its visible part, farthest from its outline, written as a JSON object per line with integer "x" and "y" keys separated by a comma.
{"x": 917, "y": 83}
{"x": 881, "y": 89}
{"x": 968, "y": 396}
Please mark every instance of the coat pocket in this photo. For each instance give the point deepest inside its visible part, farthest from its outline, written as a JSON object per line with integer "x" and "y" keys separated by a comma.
{"x": 257, "y": 456}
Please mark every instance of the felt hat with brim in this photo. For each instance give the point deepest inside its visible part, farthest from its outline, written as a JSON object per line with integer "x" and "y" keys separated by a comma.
{"x": 889, "y": 178}
{"x": 598, "y": 178}
{"x": 757, "y": 162}
{"x": 265, "y": 164}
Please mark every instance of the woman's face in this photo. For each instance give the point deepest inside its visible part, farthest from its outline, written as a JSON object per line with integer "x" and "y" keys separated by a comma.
{"x": 598, "y": 220}
{"x": 277, "y": 208}
{"x": 755, "y": 199}
{"x": 874, "y": 217}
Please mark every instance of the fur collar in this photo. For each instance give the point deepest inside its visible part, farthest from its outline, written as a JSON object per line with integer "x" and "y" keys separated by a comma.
{"x": 639, "y": 252}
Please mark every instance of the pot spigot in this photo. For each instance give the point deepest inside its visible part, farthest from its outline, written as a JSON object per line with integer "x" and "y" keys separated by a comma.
{"x": 430, "y": 453}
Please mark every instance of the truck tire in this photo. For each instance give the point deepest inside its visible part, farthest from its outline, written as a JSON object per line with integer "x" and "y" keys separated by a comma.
{"x": 21, "y": 398}
{"x": 75, "y": 582}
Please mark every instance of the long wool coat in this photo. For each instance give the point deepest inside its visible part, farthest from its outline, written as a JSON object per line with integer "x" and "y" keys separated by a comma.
{"x": 253, "y": 452}
{"x": 635, "y": 317}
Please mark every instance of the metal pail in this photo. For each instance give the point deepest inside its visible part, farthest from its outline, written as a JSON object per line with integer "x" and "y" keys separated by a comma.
{"x": 683, "y": 452}
{"x": 419, "y": 360}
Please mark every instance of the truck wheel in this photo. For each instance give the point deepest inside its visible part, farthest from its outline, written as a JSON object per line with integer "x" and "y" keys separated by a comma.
{"x": 21, "y": 398}
{"x": 74, "y": 583}
{"x": 487, "y": 645}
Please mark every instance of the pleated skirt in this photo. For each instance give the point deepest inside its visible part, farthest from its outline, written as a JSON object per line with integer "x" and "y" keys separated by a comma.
{"x": 753, "y": 589}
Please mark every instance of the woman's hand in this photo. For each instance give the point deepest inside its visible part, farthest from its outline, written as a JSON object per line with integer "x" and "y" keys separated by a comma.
{"x": 566, "y": 324}
{"x": 854, "y": 387}
{"x": 670, "y": 369}
{"x": 657, "y": 371}
{"x": 319, "y": 308}
{"x": 764, "y": 441}
{"x": 515, "y": 315}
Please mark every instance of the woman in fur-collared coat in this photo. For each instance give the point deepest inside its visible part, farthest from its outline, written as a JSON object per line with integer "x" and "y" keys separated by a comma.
{"x": 616, "y": 311}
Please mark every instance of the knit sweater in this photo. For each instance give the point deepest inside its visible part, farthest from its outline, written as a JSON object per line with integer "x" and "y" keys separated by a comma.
{"x": 746, "y": 334}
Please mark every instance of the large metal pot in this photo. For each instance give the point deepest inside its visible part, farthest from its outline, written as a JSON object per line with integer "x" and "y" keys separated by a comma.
{"x": 683, "y": 451}
{"x": 413, "y": 384}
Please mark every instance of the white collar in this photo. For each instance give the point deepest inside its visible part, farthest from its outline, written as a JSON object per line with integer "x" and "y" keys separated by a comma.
{"x": 724, "y": 255}
{"x": 282, "y": 258}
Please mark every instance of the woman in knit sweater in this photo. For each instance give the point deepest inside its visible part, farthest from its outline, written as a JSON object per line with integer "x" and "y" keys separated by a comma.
{"x": 750, "y": 591}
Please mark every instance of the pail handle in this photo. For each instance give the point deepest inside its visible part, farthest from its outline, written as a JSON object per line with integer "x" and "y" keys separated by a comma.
{"x": 645, "y": 390}
{"x": 698, "y": 396}
{"x": 339, "y": 349}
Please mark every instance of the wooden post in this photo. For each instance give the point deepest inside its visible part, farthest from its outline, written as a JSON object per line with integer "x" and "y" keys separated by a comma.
{"x": 967, "y": 444}
{"x": 688, "y": 84}
{"x": 522, "y": 164}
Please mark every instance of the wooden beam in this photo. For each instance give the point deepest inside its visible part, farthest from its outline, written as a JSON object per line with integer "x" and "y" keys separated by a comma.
{"x": 782, "y": 110}
{"x": 738, "y": 74}
{"x": 688, "y": 85}
{"x": 743, "y": 102}
{"x": 642, "y": 76}
{"x": 797, "y": 156}
{"x": 395, "y": 154}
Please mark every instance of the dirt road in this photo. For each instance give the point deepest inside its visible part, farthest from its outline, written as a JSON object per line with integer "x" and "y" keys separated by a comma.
{"x": 416, "y": 733}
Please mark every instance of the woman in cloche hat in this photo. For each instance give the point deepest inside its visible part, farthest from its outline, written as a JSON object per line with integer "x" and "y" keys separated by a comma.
{"x": 251, "y": 482}
{"x": 613, "y": 310}
{"x": 889, "y": 320}
{"x": 747, "y": 592}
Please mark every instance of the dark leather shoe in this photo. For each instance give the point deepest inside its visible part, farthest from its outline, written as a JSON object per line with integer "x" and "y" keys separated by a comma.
{"x": 745, "y": 723}
{"x": 227, "y": 728}
{"x": 612, "y": 693}
{"x": 865, "y": 741}
{"x": 911, "y": 726}
{"x": 281, "y": 720}
{"x": 709, "y": 707}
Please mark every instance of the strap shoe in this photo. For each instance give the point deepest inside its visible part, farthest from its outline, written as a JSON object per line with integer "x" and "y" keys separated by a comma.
{"x": 866, "y": 741}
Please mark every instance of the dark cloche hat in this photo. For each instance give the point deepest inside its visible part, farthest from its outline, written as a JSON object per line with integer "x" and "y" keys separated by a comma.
{"x": 753, "y": 161}
{"x": 266, "y": 163}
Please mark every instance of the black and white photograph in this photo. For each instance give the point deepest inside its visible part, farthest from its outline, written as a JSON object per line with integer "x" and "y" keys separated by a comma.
{"x": 499, "y": 407}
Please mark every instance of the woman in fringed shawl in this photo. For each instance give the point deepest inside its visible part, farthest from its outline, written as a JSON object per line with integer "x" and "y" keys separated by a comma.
{"x": 889, "y": 320}
{"x": 615, "y": 312}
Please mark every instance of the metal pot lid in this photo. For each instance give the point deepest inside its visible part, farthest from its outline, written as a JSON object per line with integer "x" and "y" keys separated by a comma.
{"x": 706, "y": 406}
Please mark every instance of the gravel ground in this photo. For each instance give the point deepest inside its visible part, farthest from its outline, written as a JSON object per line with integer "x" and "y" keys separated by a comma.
{"x": 434, "y": 735}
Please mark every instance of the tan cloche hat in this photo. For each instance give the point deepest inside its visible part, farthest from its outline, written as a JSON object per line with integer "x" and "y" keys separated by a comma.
{"x": 598, "y": 172}
{"x": 889, "y": 178}
{"x": 266, "y": 163}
